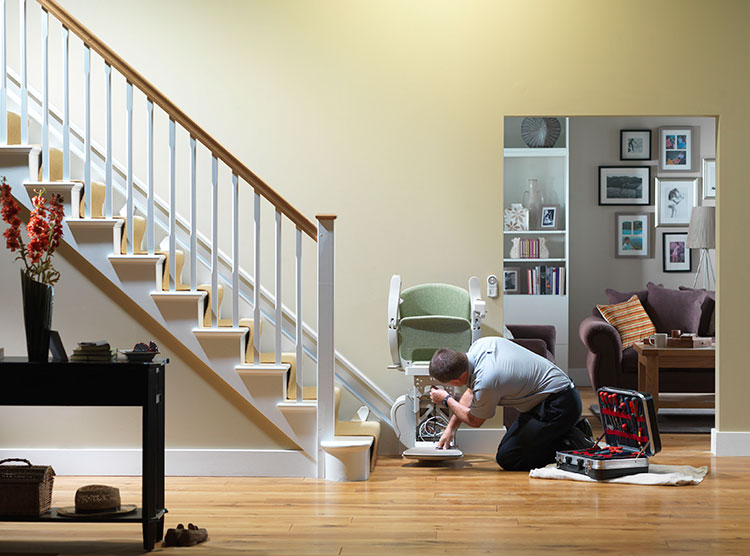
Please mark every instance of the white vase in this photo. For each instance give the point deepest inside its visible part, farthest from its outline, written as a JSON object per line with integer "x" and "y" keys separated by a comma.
{"x": 533, "y": 199}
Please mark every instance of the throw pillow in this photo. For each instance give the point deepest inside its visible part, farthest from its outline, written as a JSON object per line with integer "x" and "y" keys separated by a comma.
{"x": 675, "y": 309}
{"x": 630, "y": 320}
{"x": 707, "y": 326}
{"x": 615, "y": 296}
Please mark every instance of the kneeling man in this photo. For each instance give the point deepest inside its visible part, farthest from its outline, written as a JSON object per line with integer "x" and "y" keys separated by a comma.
{"x": 496, "y": 372}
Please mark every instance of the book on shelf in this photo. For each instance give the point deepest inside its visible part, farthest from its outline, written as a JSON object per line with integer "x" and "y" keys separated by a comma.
{"x": 545, "y": 280}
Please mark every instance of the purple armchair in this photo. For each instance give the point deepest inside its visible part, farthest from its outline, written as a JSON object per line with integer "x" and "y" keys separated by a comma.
{"x": 539, "y": 338}
{"x": 685, "y": 309}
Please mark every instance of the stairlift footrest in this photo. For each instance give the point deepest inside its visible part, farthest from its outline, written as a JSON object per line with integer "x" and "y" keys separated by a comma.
{"x": 432, "y": 453}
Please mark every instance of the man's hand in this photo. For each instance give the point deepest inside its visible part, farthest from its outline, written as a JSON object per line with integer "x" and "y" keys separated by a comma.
{"x": 437, "y": 395}
{"x": 446, "y": 438}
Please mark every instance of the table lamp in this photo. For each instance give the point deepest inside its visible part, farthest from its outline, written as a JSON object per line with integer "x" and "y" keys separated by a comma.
{"x": 702, "y": 235}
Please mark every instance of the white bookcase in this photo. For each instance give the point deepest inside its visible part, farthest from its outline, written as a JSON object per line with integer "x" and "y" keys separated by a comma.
{"x": 550, "y": 167}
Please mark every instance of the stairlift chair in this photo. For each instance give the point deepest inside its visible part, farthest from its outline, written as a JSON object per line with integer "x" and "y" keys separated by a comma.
{"x": 421, "y": 320}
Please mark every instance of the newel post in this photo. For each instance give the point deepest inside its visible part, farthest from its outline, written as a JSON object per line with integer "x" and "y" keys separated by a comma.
{"x": 326, "y": 264}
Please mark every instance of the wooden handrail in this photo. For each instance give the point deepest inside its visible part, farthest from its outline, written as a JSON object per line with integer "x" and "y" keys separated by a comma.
{"x": 132, "y": 76}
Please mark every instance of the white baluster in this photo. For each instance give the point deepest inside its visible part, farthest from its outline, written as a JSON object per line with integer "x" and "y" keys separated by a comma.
{"x": 45, "y": 95}
{"x": 326, "y": 260}
{"x": 66, "y": 103}
{"x": 87, "y": 129}
{"x": 108, "y": 132}
{"x": 235, "y": 251}
{"x": 150, "y": 178}
{"x": 24, "y": 75}
{"x": 256, "y": 285}
{"x": 277, "y": 308}
{"x": 129, "y": 215}
{"x": 215, "y": 242}
{"x": 298, "y": 305}
{"x": 193, "y": 219}
{"x": 172, "y": 208}
{"x": 3, "y": 83}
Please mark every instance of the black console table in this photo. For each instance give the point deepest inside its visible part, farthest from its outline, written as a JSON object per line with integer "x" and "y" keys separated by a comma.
{"x": 100, "y": 384}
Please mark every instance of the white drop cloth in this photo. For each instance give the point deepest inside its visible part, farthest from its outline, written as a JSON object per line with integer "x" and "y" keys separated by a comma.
{"x": 666, "y": 475}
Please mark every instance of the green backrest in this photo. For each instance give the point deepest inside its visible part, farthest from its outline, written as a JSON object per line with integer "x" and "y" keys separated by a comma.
{"x": 433, "y": 316}
{"x": 435, "y": 299}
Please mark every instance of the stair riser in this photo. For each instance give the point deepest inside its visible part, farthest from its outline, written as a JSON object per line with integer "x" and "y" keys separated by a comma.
{"x": 141, "y": 277}
{"x": 180, "y": 313}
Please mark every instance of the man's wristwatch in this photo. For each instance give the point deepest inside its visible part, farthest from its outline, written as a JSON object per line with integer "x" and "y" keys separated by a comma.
{"x": 445, "y": 401}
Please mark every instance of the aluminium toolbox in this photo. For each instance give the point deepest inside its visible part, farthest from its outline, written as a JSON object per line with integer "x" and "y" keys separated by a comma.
{"x": 631, "y": 432}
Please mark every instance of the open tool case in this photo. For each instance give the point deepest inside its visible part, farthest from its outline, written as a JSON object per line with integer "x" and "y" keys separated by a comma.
{"x": 631, "y": 432}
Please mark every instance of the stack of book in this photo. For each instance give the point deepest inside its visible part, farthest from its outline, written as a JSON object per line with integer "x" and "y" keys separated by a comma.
{"x": 545, "y": 280}
{"x": 94, "y": 351}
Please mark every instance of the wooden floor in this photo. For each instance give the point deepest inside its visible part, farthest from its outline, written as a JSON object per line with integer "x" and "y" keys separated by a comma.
{"x": 466, "y": 507}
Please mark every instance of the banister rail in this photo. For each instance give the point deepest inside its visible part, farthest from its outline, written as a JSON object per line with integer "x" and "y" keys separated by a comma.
{"x": 153, "y": 94}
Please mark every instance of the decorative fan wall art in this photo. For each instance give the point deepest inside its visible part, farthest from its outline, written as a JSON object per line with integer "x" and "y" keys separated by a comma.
{"x": 540, "y": 132}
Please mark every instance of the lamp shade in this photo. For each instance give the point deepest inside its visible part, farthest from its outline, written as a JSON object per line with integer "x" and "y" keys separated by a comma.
{"x": 702, "y": 231}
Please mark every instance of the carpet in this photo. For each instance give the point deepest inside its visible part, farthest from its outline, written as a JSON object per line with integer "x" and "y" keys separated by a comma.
{"x": 680, "y": 421}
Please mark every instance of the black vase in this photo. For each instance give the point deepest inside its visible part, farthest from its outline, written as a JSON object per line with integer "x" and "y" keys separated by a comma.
{"x": 37, "y": 317}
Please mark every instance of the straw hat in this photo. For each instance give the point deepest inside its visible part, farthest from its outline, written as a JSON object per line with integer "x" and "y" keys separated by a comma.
{"x": 96, "y": 500}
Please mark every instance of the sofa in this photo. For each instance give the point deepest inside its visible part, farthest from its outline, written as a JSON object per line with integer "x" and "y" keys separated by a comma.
{"x": 686, "y": 309}
{"x": 539, "y": 338}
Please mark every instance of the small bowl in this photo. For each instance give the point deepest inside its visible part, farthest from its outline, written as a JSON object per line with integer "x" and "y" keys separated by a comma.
{"x": 139, "y": 356}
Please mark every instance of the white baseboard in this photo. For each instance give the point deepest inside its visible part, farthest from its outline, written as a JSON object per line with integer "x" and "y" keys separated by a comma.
{"x": 579, "y": 376}
{"x": 479, "y": 441}
{"x": 730, "y": 443}
{"x": 178, "y": 462}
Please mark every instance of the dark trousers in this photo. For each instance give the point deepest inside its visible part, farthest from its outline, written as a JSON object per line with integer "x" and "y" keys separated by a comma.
{"x": 534, "y": 438}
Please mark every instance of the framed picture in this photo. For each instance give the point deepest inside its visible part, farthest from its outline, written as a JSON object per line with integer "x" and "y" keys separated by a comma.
{"x": 511, "y": 278}
{"x": 675, "y": 199}
{"x": 549, "y": 217}
{"x": 675, "y": 149}
{"x": 709, "y": 178}
{"x": 635, "y": 144}
{"x": 633, "y": 235}
{"x": 624, "y": 185}
{"x": 675, "y": 253}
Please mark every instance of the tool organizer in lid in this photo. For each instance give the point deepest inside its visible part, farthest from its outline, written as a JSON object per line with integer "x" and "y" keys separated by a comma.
{"x": 631, "y": 433}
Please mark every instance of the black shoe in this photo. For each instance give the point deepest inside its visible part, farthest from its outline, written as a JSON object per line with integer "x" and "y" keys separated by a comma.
{"x": 575, "y": 439}
{"x": 584, "y": 426}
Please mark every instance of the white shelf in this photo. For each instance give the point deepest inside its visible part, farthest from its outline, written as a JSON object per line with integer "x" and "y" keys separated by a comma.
{"x": 541, "y": 152}
{"x": 534, "y": 260}
{"x": 533, "y": 232}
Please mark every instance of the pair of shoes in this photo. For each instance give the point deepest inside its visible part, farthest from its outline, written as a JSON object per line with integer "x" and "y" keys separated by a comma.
{"x": 585, "y": 427}
{"x": 180, "y": 536}
{"x": 575, "y": 439}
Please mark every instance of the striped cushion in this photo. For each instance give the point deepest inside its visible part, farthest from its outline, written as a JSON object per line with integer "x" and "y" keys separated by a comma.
{"x": 630, "y": 320}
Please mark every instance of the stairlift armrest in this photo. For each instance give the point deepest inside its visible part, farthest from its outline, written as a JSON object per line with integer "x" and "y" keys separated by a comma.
{"x": 478, "y": 308}
{"x": 394, "y": 298}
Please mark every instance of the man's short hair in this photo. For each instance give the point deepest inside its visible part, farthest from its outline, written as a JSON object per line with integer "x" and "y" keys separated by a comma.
{"x": 447, "y": 365}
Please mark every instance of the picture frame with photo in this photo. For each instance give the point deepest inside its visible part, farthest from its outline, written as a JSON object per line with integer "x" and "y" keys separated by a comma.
{"x": 675, "y": 149}
{"x": 624, "y": 185}
{"x": 633, "y": 236}
{"x": 675, "y": 252}
{"x": 635, "y": 144}
{"x": 511, "y": 280}
{"x": 675, "y": 199}
{"x": 549, "y": 217}
{"x": 709, "y": 178}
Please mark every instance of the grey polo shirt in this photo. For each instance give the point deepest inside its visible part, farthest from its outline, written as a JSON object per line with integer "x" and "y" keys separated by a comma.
{"x": 503, "y": 373}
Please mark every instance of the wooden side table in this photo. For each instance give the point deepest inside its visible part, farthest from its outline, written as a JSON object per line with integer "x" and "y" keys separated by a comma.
{"x": 100, "y": 384}
{"x": 651, "y": 359}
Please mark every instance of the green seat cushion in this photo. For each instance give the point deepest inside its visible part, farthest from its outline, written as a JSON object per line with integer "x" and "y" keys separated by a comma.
{"x": 420, "y": 337}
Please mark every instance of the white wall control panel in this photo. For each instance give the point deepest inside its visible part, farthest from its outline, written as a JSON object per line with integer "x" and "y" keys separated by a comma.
{"x": 491, "y": 285}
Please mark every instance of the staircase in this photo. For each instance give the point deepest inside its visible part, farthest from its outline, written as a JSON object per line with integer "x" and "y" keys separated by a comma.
{"x": 187, "y": 277}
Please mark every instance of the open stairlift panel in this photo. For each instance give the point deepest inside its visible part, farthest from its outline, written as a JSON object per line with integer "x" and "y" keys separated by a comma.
{"x": 421, "y": 320}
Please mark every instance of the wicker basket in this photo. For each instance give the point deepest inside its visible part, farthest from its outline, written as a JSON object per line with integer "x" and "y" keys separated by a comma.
{"x": 25, "y": 489}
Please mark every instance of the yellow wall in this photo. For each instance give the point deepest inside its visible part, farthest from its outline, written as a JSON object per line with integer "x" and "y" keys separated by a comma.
{"x": 390, "y": 112}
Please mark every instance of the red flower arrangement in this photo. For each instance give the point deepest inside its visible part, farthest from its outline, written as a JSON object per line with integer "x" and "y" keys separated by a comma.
{"x": 44, "y": 231}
